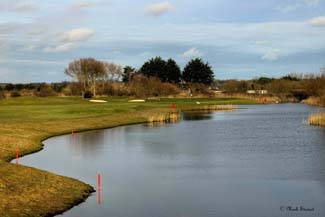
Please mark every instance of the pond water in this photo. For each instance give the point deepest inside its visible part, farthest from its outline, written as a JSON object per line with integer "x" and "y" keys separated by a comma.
{"x": 258, "y": 161}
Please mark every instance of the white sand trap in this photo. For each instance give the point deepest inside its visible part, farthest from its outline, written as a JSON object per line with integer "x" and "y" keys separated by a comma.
{"x": 98, "y": 101}
{"x": 137, "y": 100}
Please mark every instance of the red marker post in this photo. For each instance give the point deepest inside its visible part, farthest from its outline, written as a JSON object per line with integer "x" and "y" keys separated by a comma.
{"x": 173, "y": 106}
{"x": 265, "y": 100}
{"x": 17, "y": 156}
{"x": 98, "y": 177}
{"x": 72, "y": 131}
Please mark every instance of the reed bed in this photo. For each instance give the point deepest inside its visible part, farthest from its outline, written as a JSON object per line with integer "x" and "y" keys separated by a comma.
{"x": 317, "y": 119}
{"x": 228, "y": 107}
{"x": 316, "y": 101}
{"x": 258, "y": 98}
{"x": 172, "y": 117}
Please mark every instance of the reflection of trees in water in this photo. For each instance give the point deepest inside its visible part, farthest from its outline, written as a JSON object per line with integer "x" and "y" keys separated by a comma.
{"x": 197, "y": 116}
{"x": 93, "y": 143}
{"x": 88, "y": 143}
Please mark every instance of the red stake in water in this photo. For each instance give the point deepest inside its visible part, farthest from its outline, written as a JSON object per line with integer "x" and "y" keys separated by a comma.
{"x": 173, "y": 106}
{"x": 17, "y": 156}
{"x": 98, "y": 189}
{"x": 72, "y": 131}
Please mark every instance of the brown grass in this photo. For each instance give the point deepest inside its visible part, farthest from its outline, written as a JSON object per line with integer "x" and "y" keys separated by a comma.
{"x": 317, "y": 119}
{"x": 212, "y": 107}
{"x": 261, "y": 98}
{"x": 316, "y": 101}
{"x": 171, "y": 117}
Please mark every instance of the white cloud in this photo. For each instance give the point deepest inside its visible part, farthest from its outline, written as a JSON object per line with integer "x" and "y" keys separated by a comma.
{"x": 294, "y": 6}
{"x": 271, "y": 55}
{"x": 145, "y": 54}
{"x": 36, "y": 30}
{"x": 19, "y": 6}
{"x": 6, "y": 28}
{"x": 32, "y": 61}
{"x": 76, "y": 35}
{"x": 193, "y": 52}
{"x": 25, "y": 7}
{"x": 317, "y": 21}
{"x": 312, "y": 2}
{"x": 288, "y": 8}
{"x": 82, "y": 4}
{"x": 159, "y": 9}
{"x": 29, "y": 48}
{"x": 262, "y": 42}
{"x": 60, "y": 48}
{"x": 85, "y": 4}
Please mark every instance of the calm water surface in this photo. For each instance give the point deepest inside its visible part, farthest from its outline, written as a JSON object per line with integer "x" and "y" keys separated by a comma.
{"x": 254, "y": 162}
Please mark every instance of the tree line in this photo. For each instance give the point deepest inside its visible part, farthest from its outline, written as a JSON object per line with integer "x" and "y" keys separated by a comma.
{"x": 295, "y": 86}
{"x": 93, "y": 73}
{"x": 159, "y": 77}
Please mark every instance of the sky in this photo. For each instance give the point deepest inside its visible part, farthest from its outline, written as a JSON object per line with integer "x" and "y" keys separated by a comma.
{"x": 241, "y": 39}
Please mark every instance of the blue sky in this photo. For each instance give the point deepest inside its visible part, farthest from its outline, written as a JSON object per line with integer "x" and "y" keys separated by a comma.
{"x": 241, "y": 39}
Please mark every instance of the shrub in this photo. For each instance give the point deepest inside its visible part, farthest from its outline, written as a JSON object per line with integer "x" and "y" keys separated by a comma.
{"x": 2, "y": 95}
{"x": 73, "y": 89}
{"x": 45, "y": 90}
{"x": 198, "y": 88}
{"x": 9, "y": 87}
{"x": 114, "y": 89}
{"x": 15, "y": 94}
{"x": 88, "y": 94}
{"x": 300, "y": 94}
{"x": 142, "y": 86}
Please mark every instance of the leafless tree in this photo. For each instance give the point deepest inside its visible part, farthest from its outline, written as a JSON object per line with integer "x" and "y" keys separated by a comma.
{"x": 87, "y": 71}
{"x": 113, "y": 72}
{"x": 322, "y": 71}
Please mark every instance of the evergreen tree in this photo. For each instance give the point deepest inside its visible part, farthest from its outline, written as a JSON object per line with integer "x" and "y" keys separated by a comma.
{"x": 173, "y": 72}
{"x": 166, "y": 71}
{"x": 196, "y": 71}
{"x": 155, "y": 67}
{"x": 128, "y": 73}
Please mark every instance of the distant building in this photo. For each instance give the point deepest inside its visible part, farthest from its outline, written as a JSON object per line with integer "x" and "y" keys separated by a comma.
{"x": 251, "y": 91}
{"x": 216, "y": 90}
{"x": 260, "y": 92}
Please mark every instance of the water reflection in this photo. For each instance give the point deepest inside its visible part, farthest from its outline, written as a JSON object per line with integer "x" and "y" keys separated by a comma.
{"x": 197, "y": 115}
{"x": 87, "y": 144}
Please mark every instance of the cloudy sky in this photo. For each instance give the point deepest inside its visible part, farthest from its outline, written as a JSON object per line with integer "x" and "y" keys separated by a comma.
{"x": 239, "y": 38}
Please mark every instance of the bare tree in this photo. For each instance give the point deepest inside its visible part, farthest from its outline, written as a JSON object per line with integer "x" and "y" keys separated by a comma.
{"x": 75, "y": 70}
{"x": 87, "y": 71}
{"x": 113, "y": 72}
{"x": 322, "y": 71}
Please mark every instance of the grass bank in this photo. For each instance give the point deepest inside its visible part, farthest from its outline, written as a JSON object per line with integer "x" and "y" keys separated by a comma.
{"x": 25, "y": 122}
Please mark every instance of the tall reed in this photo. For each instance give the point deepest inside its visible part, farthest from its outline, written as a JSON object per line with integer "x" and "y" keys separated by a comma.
{"x": 317, "y": 101}
{"x": 317, "y": 119}
{"x": 216, "y": 108}
{"x": 171, "y": 117}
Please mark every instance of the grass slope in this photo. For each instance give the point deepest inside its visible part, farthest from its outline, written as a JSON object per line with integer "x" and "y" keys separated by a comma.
{"x": 25, "y": 122}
